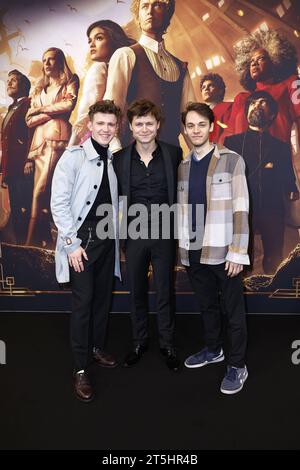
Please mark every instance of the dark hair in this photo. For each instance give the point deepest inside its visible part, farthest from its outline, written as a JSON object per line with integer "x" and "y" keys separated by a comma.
{"x": 217, "y": 80}
{"x": 201, "y": 108}
{"x": 106, "y": 107}
{"x": 269, "y": 99}
{"x": 170, "y": 9}
{"x": 24, "y": 82}
{"x": 142, "y": 108}
{"x": 116, "y": 34}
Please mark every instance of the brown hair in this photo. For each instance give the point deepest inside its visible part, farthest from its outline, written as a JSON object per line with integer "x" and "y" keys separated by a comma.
{"x": 117, "y": 36}
{"x": 142, "y": 108}
{"x": 106, "y": 107}
{"x": 200, "y": 108}
{"x": 24, "y": 82}
{"x": 273, "y": 106}
{"x": 217, "y": 81}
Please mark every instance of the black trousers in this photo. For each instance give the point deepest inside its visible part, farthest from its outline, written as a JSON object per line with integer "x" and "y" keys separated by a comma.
{"x": 161, "y": 254}
{"x": 210, "y": 282}
{"x": 91, "y": 295}
{"x": 20, "y": 194}
{"x": 271, "y": 228}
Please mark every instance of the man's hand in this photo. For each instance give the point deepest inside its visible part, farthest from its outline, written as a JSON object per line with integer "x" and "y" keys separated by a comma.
{"x": 75, "y": 259}
{"x": 233, "y": 269}
{"x": 28, "y": 168}
{"x": 294, "y": 196}
{"x": 34, "y": 111}
{"x": 4, "y": 184}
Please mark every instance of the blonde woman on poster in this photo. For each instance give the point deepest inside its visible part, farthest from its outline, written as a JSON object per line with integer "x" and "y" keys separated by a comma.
{"x": 52, "y": 101}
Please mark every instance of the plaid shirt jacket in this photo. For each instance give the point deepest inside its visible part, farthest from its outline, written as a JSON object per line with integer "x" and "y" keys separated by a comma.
{"x": 226, "y": 231}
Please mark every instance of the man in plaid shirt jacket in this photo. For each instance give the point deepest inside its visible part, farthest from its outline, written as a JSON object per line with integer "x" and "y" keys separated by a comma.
{"x": 213, "y": 240}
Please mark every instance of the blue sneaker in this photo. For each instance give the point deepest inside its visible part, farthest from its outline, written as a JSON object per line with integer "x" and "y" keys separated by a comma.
{"x": 204, "y": 357}
{"x": 234, "y": 380}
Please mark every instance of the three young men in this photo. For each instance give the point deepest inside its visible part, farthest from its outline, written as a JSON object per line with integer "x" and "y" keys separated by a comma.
{"x": 212, "y": 247}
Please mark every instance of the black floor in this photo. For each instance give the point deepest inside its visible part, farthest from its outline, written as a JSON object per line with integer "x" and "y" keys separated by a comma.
{"x": 148, "y": 406}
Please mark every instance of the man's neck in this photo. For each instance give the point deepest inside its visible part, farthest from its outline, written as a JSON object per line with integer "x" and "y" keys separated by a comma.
{"x": 201, "y": 151}
{"x": 145, "y": 150}
{"x": 257, "y": 129}
{"x": 16, "y": 98}
{"x": 211, "y": 104}
{"x": 95, "y": 141}
{"x": 157, "y": 36}
{"x": 267, "y": 81}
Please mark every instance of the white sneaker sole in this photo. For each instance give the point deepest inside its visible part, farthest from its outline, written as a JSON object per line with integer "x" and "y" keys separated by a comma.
{"x": 232, "y": 392}
{"x": 194, "y": 366}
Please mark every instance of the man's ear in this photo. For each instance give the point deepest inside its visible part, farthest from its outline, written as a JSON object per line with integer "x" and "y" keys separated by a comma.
{"x": 158, "y": 125}
{"x": 211, "y": 127}
{"x": 130, "y": 126}
{"x": 90, "y": 125}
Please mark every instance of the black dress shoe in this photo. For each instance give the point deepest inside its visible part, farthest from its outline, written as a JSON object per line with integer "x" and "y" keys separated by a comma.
{"x": 172, "y": 360}
{"x": 104, "y": 359}
{"x": 82, "y": 387}
{"x": 135, "y": 355}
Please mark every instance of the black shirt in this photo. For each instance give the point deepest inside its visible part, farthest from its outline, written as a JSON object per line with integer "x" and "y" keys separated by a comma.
{"x": 148, "y": 183}
{"x": 103, "y": 194}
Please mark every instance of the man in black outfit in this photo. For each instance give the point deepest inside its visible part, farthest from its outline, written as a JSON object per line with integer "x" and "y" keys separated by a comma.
{"x": 15, "y": 141}
{"x": 270, "y": 176}
{"x": 147, "y": 175}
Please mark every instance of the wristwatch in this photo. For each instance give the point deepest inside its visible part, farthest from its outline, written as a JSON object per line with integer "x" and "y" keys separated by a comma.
{"x": 68, "y": 241}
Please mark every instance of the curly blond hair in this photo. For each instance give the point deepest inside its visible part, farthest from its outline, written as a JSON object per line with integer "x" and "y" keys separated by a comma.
{"x": 281, "y": 51}
{"x": 135, "y": 5}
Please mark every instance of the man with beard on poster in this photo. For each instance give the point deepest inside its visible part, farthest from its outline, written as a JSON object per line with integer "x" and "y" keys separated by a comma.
{"x": 270, "y": 176}
{"x": 15, "y": 141}
{"x": 147, "y": 70}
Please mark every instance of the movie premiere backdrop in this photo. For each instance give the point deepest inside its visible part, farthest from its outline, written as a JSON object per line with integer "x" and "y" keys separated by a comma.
{"x": 211, "y": 36}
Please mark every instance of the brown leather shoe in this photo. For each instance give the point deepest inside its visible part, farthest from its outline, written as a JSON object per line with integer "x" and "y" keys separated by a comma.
{"x": 104, "y": 359}
{"x": 82, "y": 387}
